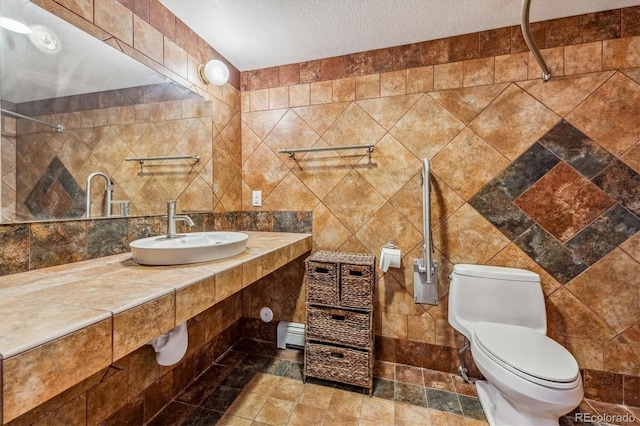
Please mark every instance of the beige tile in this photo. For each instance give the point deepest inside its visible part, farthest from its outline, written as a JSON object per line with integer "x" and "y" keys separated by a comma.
{"x": 336, "y": 418}
{"x": 394, "y": 325}
{"x": 34, "y": 376}
{"x": 274, "y": 260}
{"x": 279, "y": 97}
{"x": 554, "y": 58}
{"x": 228, "y": 282}
{"x": 320, "y": 117}
{"x": 304, "y": 415}
{"x": 583, "y": 58}
{"x": 421, "y": 328}
{"x": 478, "y": 72}
{"x": 408, "y": 415}
{"x": 328, "y": 232}
{"x": 147, "y": 39}
{"x": 138, "y": 326}
{"x": 263, "y": 170}
{"x": 288, "y": 389}
{"x": 115, "y": 18}
{"x": 291, "y": 195}
{"x": 467, "y": 163}
{"x": 443, "y": 418}
{"x": 589, "y": 353}
{"x": 344, "y": 89}
{"x": 346, "y": 403}
{"x": 247, "y": 405}
{"x": 83, "y": 8}
{"x": 321, "y": 92}
{"x": 511, "y": 67}
{"x": 229, "y": 420}
{"x": 175, "y": 58}
{"x": 621, "y": 53}
{"x": 429, "y": 121}
{"x": 275, "y": 412}
{"x": 316, "y": 396}
{"x": 513, "y": 121}
{"x": 419, "y": 80}
{"x": 368, "y": 86}
{"x": 387, "y": 111}
{"x": 393, "y": 83}
{"x": 260, "y": 100}
{"x": 291, "y": 132}
{"x": 194, "y": 299}
{"x": 568, "y": 316}
{"x": 447, "y": 76}
{"x": 378, "y": 409}
{"x": 251, "y": 271}
{"x": 299, "y": 95}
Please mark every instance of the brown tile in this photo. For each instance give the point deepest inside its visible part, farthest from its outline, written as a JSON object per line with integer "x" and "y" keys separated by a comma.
{"x": 83, "y": 8}
{"x": 406, "y": 414}
{"x": 162, "y": 19}
{"x": 564, "y": 31}
{"x": 602, "y": 386}
{"x": 333, "y": 68}
{"x": 186, "y": 38}
{"x": 599, "y": 26}
{"x": 305, "y": 415}
{"x": 554, "y": 59}
{"x": 494, "y": 42}
{"x": 631, "y": 391}
{"x": 630, "y": 26}
{"x": 568, "y": 316}
{"x": 434, "y": 52}
{"x": 73, "y": 412}
{"x": 157, "y": 396}
{"x": 107, "y": 397}
{"x": 195, "y": 299}
{"x": 289, "y": 74}
{"x": 381, "y": 60}
{"x": 464, "y": 47}
{"x": 113, "y": 17}
{"x": 539, "y": 31}
{"x": 311, "y": 71}
{"x": 409, "y": 374}
{"x": 406, "y": 56}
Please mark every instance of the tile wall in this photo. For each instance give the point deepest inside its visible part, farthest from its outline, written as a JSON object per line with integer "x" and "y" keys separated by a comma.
{"x": 542, "y": 176}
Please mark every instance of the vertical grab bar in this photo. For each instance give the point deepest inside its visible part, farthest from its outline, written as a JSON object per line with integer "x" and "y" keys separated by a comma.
{"x": 425, "y": 270}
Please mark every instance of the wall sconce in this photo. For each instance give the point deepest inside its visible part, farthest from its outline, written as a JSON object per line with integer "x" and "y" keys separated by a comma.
{"x": 214, "y": 72}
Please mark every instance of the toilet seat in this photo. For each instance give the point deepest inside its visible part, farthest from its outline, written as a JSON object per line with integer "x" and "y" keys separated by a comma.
{"x": 528, "y": 354}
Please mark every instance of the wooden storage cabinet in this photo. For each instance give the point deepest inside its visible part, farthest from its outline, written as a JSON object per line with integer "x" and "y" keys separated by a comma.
{"x": 339, "y": 338}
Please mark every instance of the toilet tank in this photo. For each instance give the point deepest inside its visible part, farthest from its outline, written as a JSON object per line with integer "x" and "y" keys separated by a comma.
{"x": 495, "y": 294}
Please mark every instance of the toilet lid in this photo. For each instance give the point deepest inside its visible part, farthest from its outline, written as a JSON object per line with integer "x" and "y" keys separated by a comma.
{"x": 527, "y": 352}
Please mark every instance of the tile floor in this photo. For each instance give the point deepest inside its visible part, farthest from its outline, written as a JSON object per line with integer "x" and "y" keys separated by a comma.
{"x": 256, "y": 384}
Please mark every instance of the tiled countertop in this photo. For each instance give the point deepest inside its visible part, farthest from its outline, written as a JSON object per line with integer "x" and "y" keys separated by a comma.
{"x": 61, "y": 324}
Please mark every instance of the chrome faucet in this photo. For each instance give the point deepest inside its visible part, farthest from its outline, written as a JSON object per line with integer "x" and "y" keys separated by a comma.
{"x": 108, "y": 189}
{"x": 172, "y": 218}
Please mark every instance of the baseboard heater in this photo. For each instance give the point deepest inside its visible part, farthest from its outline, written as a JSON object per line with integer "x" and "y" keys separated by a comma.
{"x": 290, "y": 335}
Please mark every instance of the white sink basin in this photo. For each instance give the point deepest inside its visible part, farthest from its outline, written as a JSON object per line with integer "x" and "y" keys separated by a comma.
{"x": 192, "y": 247}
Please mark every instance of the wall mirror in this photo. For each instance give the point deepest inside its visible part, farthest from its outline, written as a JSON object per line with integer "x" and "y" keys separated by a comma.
{"x": 111, "y": 108}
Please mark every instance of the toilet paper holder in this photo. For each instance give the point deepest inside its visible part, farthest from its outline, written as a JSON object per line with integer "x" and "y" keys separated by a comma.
{"x": 390, "y": 257}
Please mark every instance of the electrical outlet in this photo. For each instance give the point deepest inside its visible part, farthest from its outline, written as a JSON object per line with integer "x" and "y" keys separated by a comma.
{"x": 256, "y": 198}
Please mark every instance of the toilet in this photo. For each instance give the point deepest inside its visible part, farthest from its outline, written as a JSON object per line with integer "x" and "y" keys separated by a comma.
{"x": 530, "y": 378}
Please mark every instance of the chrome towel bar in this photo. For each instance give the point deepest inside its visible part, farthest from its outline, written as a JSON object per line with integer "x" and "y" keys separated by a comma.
{"x": 292, "y": 151}
{"x": 141, "y": 160}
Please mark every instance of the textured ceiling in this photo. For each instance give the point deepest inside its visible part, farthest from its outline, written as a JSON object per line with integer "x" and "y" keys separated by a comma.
{"x": 254, "y": 34}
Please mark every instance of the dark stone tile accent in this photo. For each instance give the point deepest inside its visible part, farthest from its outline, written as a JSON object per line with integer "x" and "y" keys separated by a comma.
{"x": 383, "y": 388}
{"x": 631, "y": 390}
{"x": 525, "y": 171}
{"x": 202, "y": 417}
{"x": 498, "y": 209}
{"x": 277, "y": 221}
{"x": 231, "y": 358}
{"x": 471, "y": 407}
{"x": 622, "y": 183}
{"x": 174, "y": 413}
{"x": 495, "y": 42}
{"x": 604, "y": 234}
{"x": 577, "y": 149}
{"x": 229, "y": 221}
{"x": 196, "y": 392}
{"x": 106, "y": 237}
{"x": 157, "y": 396}
{"x": 238, "y": 378}
{"x": 56, "y": 195}
{"x": 215, "y": 374}
{"x": 410, "y": 394}
{"x": 56, "y": 243}
{"x": 555, "y": 258}
{"x": 277, "y": 367}
{"x": 257, "y": 347}
{"x": 221, "y": 398}
{"x": 295, "y": 371}
{"x": 443, "y": 401}
{"x": 253, "y": 362}
{"x": 14, "y": 248}
{"x": 143, "y": 227}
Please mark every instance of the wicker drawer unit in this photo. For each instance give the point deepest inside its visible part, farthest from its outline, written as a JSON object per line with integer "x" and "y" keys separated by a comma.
{"x": 339, "y": 335}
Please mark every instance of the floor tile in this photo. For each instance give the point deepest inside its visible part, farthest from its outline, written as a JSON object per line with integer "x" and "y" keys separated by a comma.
{"x": 410, "y": 394}
{"x": 443, "y": 401}
{"x": 247, "y": 405}
{"x": 275, "y": 411}
{"x": 221, "y": 398}
{"x": 471, "y": 407}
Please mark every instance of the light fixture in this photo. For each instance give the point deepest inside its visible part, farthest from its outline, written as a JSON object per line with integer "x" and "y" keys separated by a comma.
{"x": 214, "y": 72}
{"x": 45, "y": 40}
{"x": 13, "y": 25}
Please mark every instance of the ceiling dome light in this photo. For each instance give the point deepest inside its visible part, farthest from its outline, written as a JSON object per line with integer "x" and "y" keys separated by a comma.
{"x": 214, "y": 72}
{"x": 45, "y": 39}
{"x": 13, "y": 25}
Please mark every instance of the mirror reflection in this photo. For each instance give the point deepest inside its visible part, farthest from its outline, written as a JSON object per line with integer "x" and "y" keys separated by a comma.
{"x": 76, "y": 113}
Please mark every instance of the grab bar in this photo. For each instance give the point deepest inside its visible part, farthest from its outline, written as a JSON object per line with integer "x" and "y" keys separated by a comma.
{"x": 58, "y": 127}
{"x": 425, "y": 270}
{"x": 528, "y": 38}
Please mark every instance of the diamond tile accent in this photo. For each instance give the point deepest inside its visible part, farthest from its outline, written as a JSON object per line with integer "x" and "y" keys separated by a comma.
{"x": 623, "y": 184}
{"x": 56, "y": 195}
{"x": 498, "y": 209}
{"x": 564, "y": 202}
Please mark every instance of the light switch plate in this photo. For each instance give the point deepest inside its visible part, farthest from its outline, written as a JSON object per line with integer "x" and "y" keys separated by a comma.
{"x": 256, "y": 198}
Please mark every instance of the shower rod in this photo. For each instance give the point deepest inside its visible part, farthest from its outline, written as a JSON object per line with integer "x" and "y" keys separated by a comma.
{"x": 58, "y": 127}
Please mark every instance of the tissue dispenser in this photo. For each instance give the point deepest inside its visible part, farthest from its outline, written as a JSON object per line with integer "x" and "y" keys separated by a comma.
{"x": 390, "y": 258}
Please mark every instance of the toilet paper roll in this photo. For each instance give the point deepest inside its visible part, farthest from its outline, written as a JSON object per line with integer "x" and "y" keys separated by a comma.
{"x": 171, "y": 346}
{"x": 389, "y": 258}
{"x": 266, "y": 314}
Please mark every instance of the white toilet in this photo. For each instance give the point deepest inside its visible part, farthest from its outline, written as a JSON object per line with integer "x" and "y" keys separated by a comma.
{"x": 530, "y": 378}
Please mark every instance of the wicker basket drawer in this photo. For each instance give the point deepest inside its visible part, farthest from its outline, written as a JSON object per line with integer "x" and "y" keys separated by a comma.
{"x": 350, "y": 366}
{"x": 356, "y": 285}
{"x": 322, "y": 283}
{"x": 339, "y": 326}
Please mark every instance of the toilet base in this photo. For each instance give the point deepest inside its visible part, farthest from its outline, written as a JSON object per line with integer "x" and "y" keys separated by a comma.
{"x": 499, "y": 411}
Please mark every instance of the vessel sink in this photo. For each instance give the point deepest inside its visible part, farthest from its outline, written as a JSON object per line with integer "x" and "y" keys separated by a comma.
{"x": 191, "y": 247}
